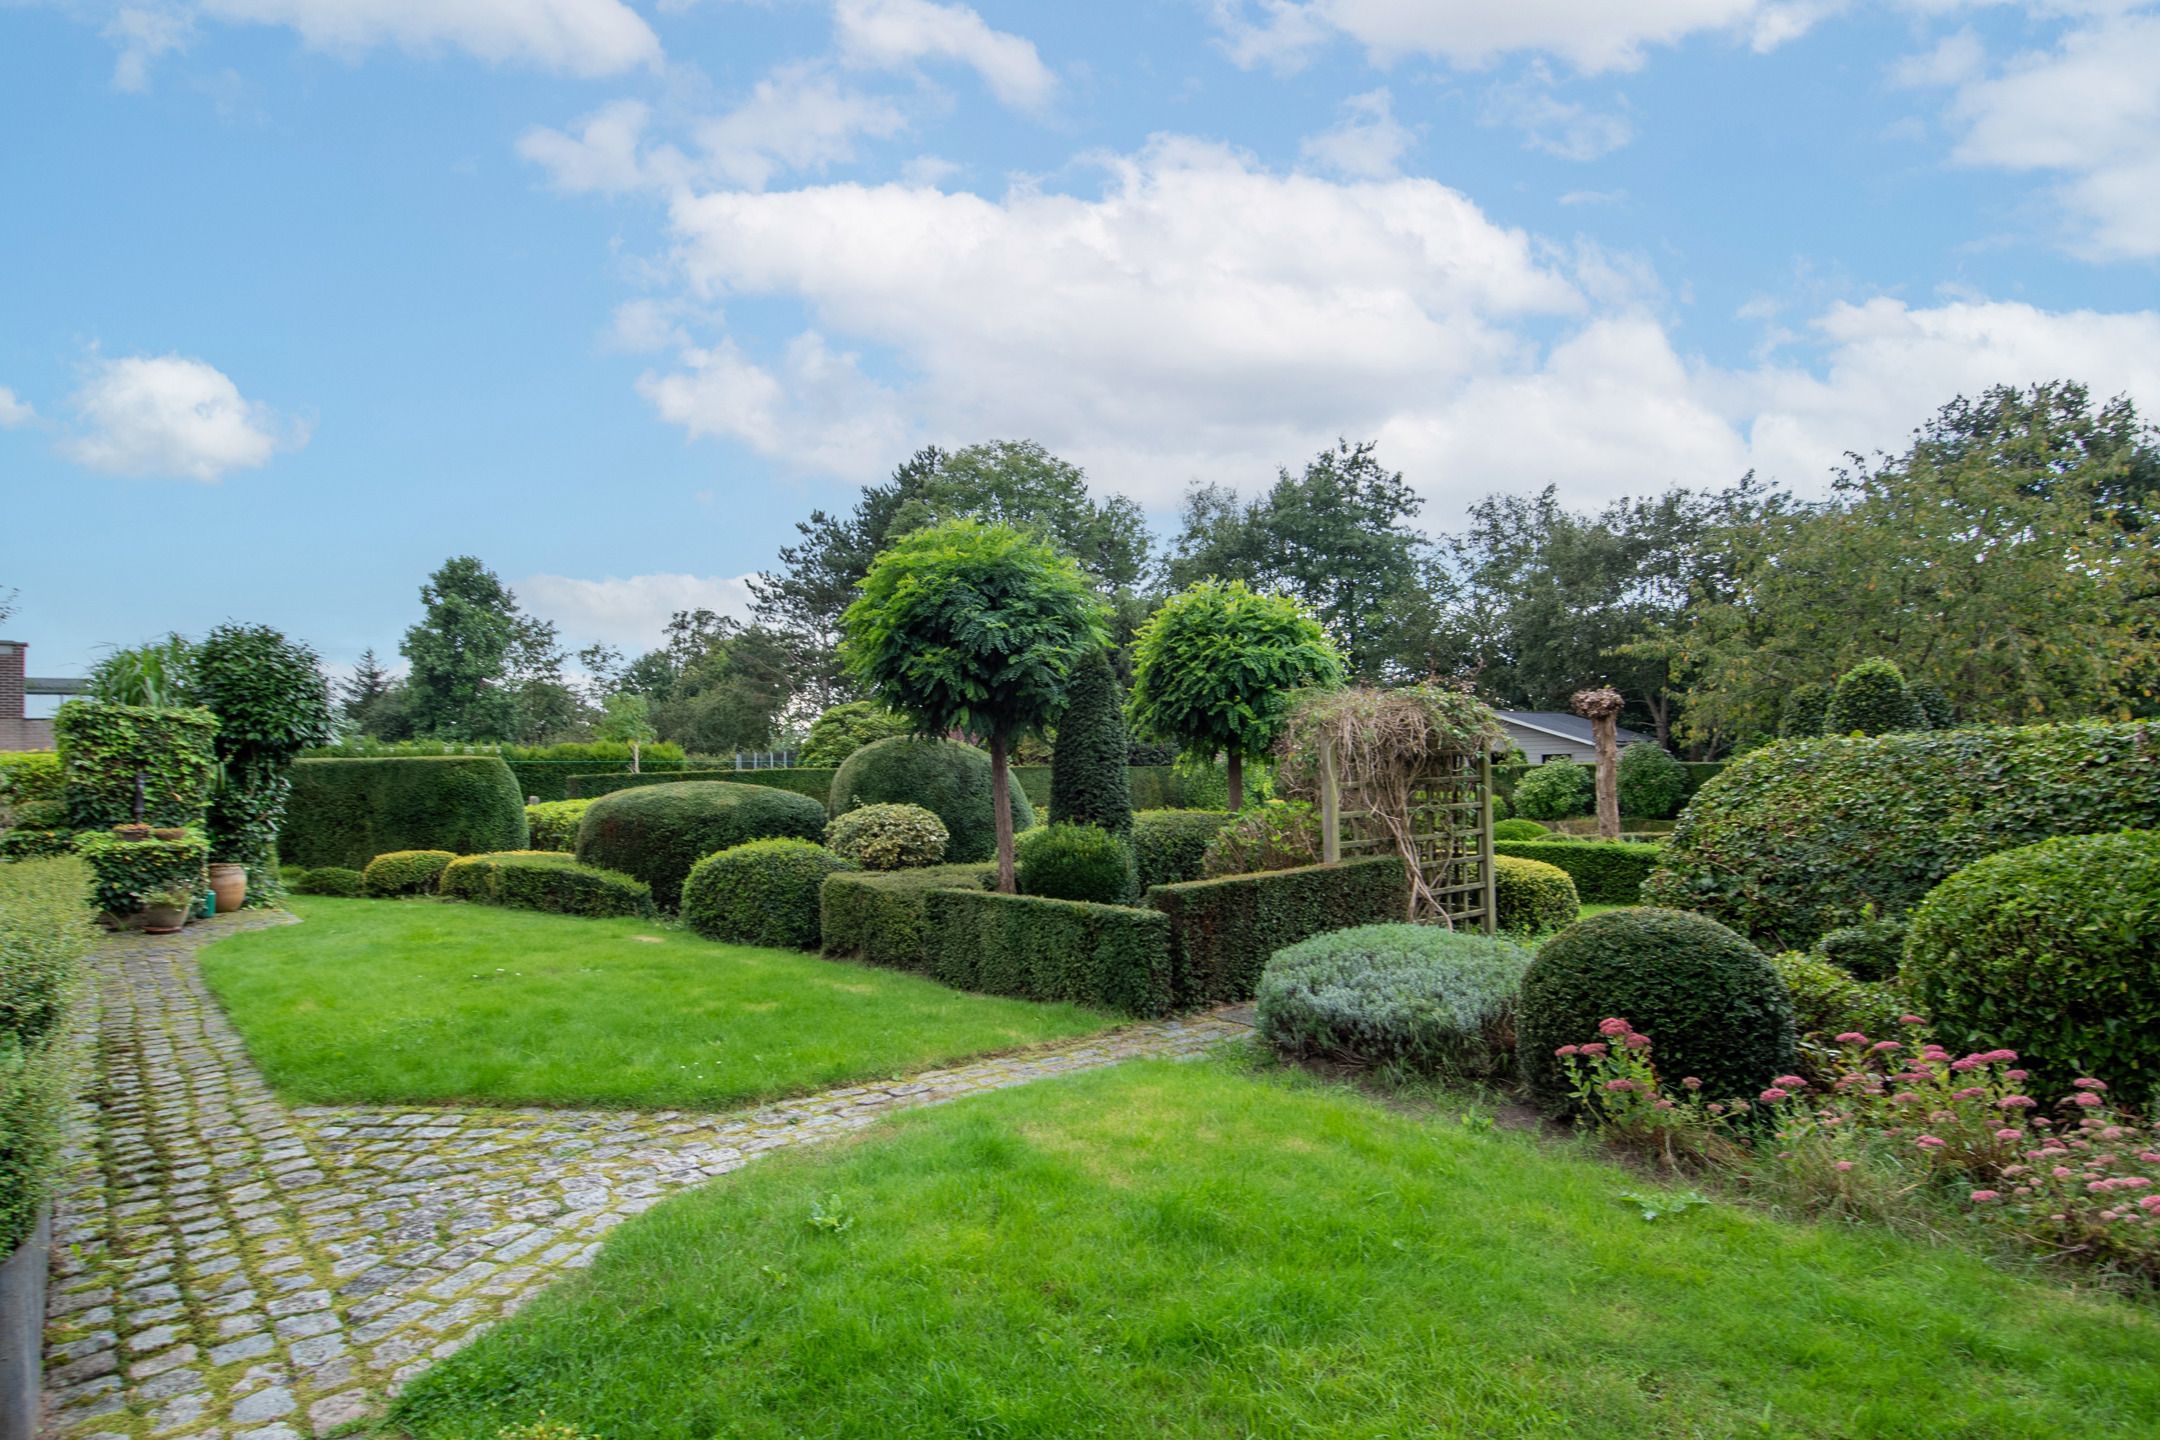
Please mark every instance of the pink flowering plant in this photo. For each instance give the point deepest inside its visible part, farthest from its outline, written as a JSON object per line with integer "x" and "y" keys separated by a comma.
{"x": 1891, "y": 1120}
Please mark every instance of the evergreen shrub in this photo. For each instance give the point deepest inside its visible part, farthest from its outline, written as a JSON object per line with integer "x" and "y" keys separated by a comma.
{"x": 889, "y": 837}
{"x": 1605, "y": 872}
{"x": 658, "y": 832}
{"x": 1036, "y": 948}
{"x": 949, "y": 779}
{"x": 1532, "y": 897}
{"x": 546, "y": 880}
{"x": 1222, "y": 931}
{"x": 884, "y": 918}
{"x": 1554, "y": 791}
{"x": 347, "y": 811}
{"x": 761, "y": 893}
{"x": 1872, "y": 699}
{"x": 1652, "y": 783}
{"x": 1431, "y": 1000}
{"x": 1076, "y": 862}
{"x": 405, "y": 872}
{"x": 1170, "y": 846}
{"x": 1088, "y": 781}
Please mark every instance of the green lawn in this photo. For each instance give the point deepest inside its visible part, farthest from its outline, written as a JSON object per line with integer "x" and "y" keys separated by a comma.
{"x": 1199, "y": 1250}
{"x": 382, "y": 1001}
{"x": 1589, "y": 910}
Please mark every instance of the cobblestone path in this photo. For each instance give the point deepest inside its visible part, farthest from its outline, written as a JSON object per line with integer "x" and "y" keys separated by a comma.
{"x": 226, "y": 1267}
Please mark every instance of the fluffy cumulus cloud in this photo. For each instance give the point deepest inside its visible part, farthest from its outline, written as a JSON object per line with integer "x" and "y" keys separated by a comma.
{"x": 888, "y": 34}
{"x": 1589, "y": 35}
{"x": 2087, "y": 110}
{"x": 14, "y": 411}
{"x": 168, "y": 415}
{"x": 1199, "y": 316}
{"x": 581, "y": 37}
{"x": 629, "y": 611}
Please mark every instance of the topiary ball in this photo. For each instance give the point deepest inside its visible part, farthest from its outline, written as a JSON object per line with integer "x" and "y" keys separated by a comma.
{"x": 1711, "y": 1003}
{"x": 2053, "y": 950}
{"x": 1533, "y": 897}
{"x": 1437, "y": 1001}
{"x": 1872, "y": 699}
{"x": 1652, "y": 783}
{"x": 404, "y": 872}
{"x": 1076, "y": 862}
{"x": 1556, "y": 790}
{"x": 328, "y": 880}
{"x": 657, "y": 832}
{"x": 761, "y": 893}
{"x": 1520, "y": 830}
{"x": 889, "y": 837}
{"x": 950, "y": 780}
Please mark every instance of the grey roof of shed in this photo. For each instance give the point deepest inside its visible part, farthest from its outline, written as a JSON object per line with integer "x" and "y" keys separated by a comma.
{"x": 1567, "y": 726}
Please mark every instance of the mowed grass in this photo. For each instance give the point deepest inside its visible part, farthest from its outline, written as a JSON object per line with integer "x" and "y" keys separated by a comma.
{"x": 384, "y": 1001}
{"x": 1199, "y": 1250}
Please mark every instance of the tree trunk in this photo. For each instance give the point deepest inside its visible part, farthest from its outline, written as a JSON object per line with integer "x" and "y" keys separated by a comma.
{"x": 1606, "y": 728}
{"x": 633, "y": 757}
{"x": 1237, "y": 782}
{"x": 1001, "y": 809}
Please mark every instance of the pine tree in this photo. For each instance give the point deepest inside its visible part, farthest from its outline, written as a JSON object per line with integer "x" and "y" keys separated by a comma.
{"x": 1088, "y": 780}
{"x": 369, "y": 683}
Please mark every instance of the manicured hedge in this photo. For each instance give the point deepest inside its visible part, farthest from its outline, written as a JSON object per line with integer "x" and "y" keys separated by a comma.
{"x": 813, "y": 783}
{"x": 1519, "y": 829}
{"x": 1711, "y": 1003}
{"x": 2054, "y": 951}
{"x": 1800, "y": 837}
{"x": 552, "y": 824}
{"x": 1605, "y": 872}
{"x": 45, "y": 931}
{"x": 1436, "y": 1001}
{"x": 27, "y": 775}
{"x": 104, "y": 748}
{"x": 346, "y": 812}
{"x": 545, "y": 880}
{"x": 947, "y": 778}
{"x": 1223, "y": 931}
{"x": 124, "y": 872}
{"x": 405, "y": 872}
{"x": 658, "y": 832}
{"x": 325, "y": 880}
{"x": 885, "y": 917}
{"x": 1170, "y": 846}
{"x": 28, "y": 844}
{"x": 761, "y": 893}
{"x": 889, "y": 837}
{"x": 1076, "y": 862}
{"x": 1532, "y": 897}
{"x": 1111, "y": 956}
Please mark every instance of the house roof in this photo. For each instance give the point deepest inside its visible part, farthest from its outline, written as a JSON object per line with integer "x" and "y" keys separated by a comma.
{"x": 1567, "y": 727}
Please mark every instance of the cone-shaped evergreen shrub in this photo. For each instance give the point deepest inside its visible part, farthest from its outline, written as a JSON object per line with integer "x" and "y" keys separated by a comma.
{"x": 1088, "y": 783}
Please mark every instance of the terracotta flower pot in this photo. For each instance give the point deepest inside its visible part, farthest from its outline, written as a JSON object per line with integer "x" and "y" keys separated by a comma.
{"x": 229, "y": 884}
{"x": 163, "y": 919}
{"x": 174, "y": 833}
{"x": 132, "y": 832}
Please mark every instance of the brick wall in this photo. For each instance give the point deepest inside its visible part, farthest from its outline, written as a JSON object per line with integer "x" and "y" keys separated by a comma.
{"x": 17, "y": 733}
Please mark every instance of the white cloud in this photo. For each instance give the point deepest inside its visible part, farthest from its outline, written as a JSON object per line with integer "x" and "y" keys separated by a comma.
{"x": 2088, "y": 110}
{"x": 14, "y": 411}
{"x": 581, "y": 37}
{"x": 143, "y": 33}
{"x": 1367, "y": 144}
{"x": 797, "y": 118}
{"x": 1201, "y": 317}
{"x": 1952, "y": 60}
{"x": 888, "y": 34}
{"x": 173, "y": 416}
{"x": 1565, "y": 128}
{"x": 1590, "y": 35}
{"x": 631, "y": 611}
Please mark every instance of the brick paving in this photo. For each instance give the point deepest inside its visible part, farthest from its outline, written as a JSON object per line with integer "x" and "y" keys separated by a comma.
{"x": 225, "y": 1268}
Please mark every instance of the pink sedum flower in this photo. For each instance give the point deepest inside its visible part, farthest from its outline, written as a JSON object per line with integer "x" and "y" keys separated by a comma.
{"x": 1613, "y": 1026}
{"x": 1982, "y": 1197}
{"x": 1928, "y": 1142}
{"x": 1566, "y": 1050}
{"x": 1772, "y": 1095}
{"x": 1852, "y": 1037}
{"x": 2088, "y": 1083}
{"x": 1842, "y": 1166}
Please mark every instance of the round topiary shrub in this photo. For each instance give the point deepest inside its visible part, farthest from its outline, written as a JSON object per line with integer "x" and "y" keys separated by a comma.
{"x": 403, "y": 872}
{"x": 1711, "y": 1003}
{"x": 2054, "y": 951}
{"x": 1652, "y": 783}
{"x": 889, "y": 837}
{"x": 1076, "y": 862}
{"x": 762, "y": 893}
{"x": 1555, "y": 790}
{"x": 1872, "y": 699}
{"x": 1170, "y": 846}
{"x": 1534, "y": 897}
{"x": 1433, "y": 1000}
{"x": 1280, "y": 835}
{"x": 657, "y": 832}
{"x": 1520, "y": 830}
{"x": 950, "y": 780}
{"x": 327, "y": 880}
{"x": 553, "y": 824}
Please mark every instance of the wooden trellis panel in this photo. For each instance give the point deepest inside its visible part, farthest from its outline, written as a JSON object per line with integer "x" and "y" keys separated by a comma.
{"x": 1450, "y": 831}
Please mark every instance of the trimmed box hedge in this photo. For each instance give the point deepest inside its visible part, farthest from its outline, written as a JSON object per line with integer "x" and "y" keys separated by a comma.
{"x": 658, "y": 834}
{"x": 1223, "y": 931}
{"x": 1035, "y": 948}
{"x": 1800, "y": 837}
{"x": 813, "y": 783}
{"x": 884, "y": 916}
{"x": 124, "y": 873}
{"x": 545, "y": 880}
{"x": 1153, "y": 786}
{"x": 104, "y": 749}
{"x": 1605, "y": 872}
{"x": 1170, "y": 846}
{"x": 346, "y": 812}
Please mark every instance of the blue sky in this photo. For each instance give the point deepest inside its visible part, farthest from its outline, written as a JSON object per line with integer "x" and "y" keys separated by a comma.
{"x": 298, "y": 297}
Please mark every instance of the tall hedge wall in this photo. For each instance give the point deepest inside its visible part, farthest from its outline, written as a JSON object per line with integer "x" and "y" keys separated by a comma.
{"x": 1223, "y": 931}
{"x": 346, "y": 812}
{"x": 1604, "y": 872}
{"x": 1113, "y": 956}
{"x": 1794, "y": 839}
{"x": 1154, "y": 787}
{"x": 105, "y": 748}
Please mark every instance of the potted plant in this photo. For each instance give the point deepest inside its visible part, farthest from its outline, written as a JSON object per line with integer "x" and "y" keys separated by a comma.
{"x": 165, "y": 911}
{"x": 133, "y": 830}
{"x": 173, "y": 832}
{"x": 229, "y": 883}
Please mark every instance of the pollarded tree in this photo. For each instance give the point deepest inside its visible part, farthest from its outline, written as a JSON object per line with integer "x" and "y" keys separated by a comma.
{"x": 1215, "y": 667}
{"x": 1088, "y": 780}
{"x": 974, "y": 627}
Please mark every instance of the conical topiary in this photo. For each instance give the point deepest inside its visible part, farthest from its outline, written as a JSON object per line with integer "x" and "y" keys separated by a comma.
{"x": 1088, "y": 783}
